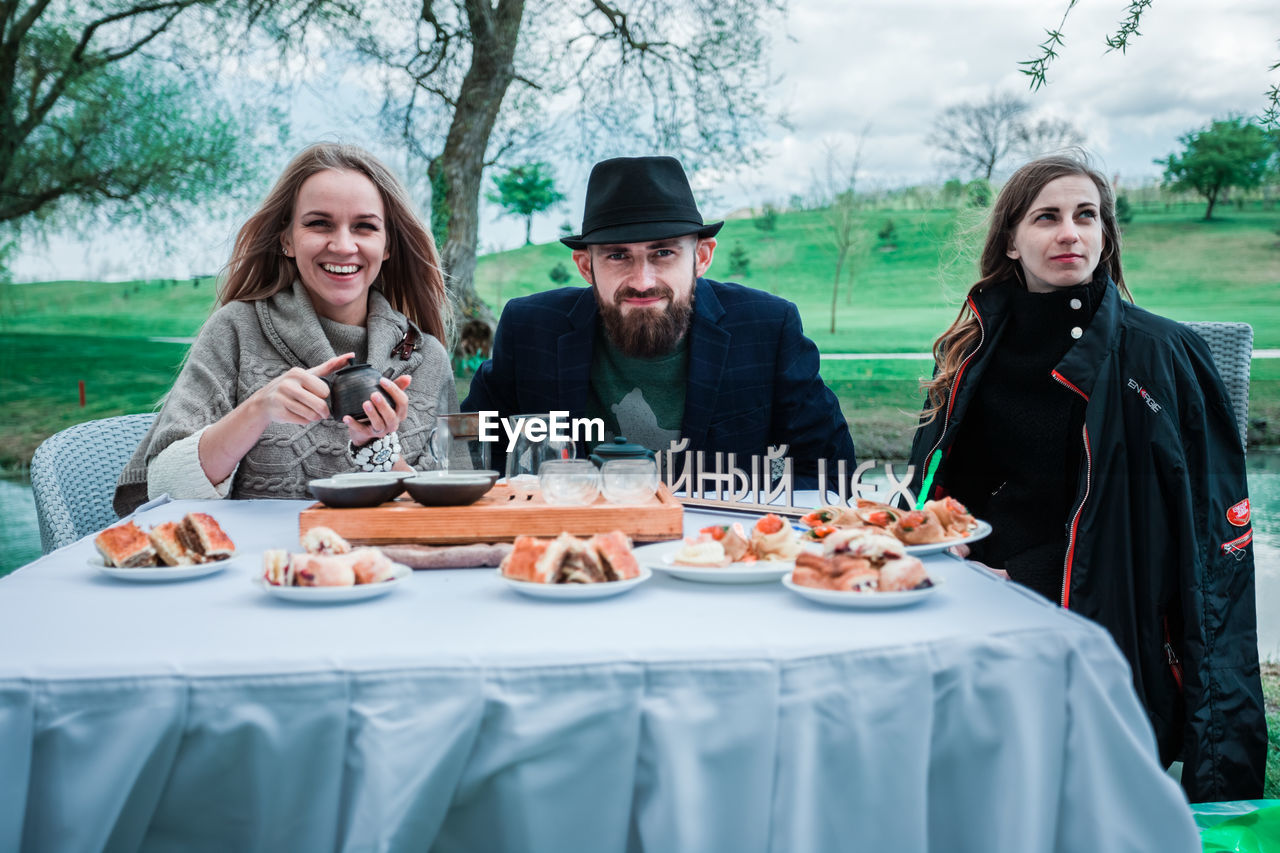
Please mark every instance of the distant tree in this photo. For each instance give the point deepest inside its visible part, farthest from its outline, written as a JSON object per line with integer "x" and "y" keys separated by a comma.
{"x": 739, "y": 261}
{"x": 840, "y": 184}
{"x": 953, "y": 191}
{"x": 1034, "y": 139}
{"x": 560, "y": 274}
{"x": 887, "y": 232}
{"x": 978, "y": 193}
{"x": 1124, "y": 210}
{"x": 978, "y": 135}
{"x": 1232, "y": 152}
{"x": 524, "y": 191}
{"x": 767, "y": 221}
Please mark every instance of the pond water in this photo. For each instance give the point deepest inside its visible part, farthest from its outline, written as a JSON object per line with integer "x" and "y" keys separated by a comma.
{"x": 20, "y": 538}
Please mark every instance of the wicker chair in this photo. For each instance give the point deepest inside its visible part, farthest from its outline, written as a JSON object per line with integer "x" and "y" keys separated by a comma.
{"x": 74, "y": 472}
{"x": 1232, "y": 348}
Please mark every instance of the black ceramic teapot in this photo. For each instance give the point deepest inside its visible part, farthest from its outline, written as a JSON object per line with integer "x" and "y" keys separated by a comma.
{"x": 350, "y": 387}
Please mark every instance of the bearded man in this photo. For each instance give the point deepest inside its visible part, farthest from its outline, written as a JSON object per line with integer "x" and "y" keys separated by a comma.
{"x": 653, "y": 348}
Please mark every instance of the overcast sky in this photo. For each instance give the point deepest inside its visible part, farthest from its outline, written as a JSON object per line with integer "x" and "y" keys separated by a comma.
{"x": 890, "y": 66}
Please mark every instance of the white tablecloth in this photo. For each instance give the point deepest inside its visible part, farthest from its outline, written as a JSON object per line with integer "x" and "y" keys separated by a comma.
{"x": 457, "y": 715}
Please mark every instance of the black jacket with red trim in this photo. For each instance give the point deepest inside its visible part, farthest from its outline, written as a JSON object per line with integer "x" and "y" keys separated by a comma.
{"x": 1159, "y": 539}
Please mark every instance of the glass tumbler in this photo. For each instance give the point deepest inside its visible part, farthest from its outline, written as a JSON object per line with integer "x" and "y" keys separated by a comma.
{"x": 629, "y": 481}
{"x": 569, "y": 482}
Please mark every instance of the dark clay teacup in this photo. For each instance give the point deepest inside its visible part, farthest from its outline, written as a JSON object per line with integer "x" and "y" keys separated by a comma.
{"x": 350, "y": 387}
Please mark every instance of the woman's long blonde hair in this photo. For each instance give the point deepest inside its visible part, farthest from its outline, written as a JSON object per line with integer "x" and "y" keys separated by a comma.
{"x": 410, "y": 277}
{"x": 961, "y": 337}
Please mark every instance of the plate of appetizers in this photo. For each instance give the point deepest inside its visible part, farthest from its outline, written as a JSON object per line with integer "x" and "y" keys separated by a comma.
{"x": 395, "y": 578}
{"x": 147, "y": 574}
{"x": 569, "y": 568}
{"x": 864, "y": 600}
{"x": 936, "y": 526}
{"x": 329, "y": 570}
{"x": 980, "y": 530}
{"x": 575, "y": 591}
{"x": 861, "y": 568}
{"x": 193, "y": 547}
{"x": 728, "y": 553}
{"x": 661, "y": 557}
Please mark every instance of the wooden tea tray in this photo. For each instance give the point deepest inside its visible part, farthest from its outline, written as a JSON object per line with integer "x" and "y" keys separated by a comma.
{"x": 499, "y": 516}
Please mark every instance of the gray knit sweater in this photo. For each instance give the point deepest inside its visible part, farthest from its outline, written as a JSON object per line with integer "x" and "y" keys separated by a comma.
{"x": 243, "y": 346}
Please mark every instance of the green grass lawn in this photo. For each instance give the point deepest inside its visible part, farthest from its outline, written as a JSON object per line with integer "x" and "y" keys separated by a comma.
{"x": 56, "y": 334}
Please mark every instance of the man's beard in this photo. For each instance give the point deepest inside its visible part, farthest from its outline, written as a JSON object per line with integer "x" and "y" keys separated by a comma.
{"x": 646, "y": 332}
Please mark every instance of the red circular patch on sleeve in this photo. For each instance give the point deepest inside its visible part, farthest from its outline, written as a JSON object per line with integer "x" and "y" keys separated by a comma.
{"x": 1239, "y": 514}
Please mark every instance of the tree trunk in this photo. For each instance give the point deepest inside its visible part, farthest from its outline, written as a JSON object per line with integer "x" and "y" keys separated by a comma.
{"x": 1213, "y": 197}
{"x": 460, "y": 166}
{"x": 528, "y": 230}
{"x": 835, "y": 291}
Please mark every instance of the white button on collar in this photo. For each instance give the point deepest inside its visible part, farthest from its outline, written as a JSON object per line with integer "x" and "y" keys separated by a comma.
{"x": 1076, "y": 332}
{"x": 1076, "y": 304}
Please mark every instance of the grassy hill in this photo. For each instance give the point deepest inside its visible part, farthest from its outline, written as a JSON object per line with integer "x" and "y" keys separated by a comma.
{"x": 904, "y": 291}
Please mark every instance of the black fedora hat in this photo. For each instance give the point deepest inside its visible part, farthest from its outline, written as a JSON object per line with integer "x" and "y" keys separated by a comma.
{"x": 636, "y": 199}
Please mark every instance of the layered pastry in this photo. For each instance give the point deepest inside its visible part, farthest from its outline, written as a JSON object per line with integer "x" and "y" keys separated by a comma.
{"x": 125, "y": 546}
{"x": 568, "y": 559}
{"x": 201, "y": 535}
{"x": 861, "y": 561}
{"x": 169, "y": 548}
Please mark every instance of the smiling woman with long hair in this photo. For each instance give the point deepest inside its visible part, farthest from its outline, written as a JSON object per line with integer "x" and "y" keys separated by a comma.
{"x": 333, "y": 268}
{"x": 1099, "y": 442}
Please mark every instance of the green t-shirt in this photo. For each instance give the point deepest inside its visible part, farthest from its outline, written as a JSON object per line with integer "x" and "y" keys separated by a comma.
{"x": 640, "y": 398}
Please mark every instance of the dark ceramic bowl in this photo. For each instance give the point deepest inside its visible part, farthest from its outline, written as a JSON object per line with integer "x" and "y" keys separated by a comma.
{"x": 354, "y": 492}
{"x": 450, "y": 488}
{"x": 375, "y": 476}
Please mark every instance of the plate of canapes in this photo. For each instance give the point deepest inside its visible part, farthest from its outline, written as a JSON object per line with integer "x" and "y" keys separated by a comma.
{"x": 569, "y": 568}
{"x": 860, "y": 568}
{"x": 329, "y": 570}
{"x": 193, "y": 547}
{"x": 935, "y": 527}
{"x": 728, "y": 553}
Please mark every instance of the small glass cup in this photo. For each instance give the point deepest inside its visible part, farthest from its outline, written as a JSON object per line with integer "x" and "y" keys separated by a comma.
{"x": 569, "y": 482}
{"x": 629, "y": 481}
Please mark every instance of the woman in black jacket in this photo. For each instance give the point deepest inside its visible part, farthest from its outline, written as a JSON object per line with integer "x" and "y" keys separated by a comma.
{"x": 1099, "y": 442}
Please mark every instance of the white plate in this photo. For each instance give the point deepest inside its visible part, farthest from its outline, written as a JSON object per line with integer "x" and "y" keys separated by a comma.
{"x": 147, "y": 574}
{"x": 576, "y": 591}
{"x": 336, "y": 594}
{"x": 863, "y": 600}
{"x": 661, "y": 558}
{"x": 981, "y": 531}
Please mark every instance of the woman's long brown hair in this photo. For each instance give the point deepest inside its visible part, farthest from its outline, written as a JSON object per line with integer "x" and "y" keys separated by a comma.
{"x": 410, "y": 277}
{"x": 1015, "y": 199}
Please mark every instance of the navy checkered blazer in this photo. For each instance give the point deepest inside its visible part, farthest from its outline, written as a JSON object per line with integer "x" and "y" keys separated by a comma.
{"x": 753, "y": 375}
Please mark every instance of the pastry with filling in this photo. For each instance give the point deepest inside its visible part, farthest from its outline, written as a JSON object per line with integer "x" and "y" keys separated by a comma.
{"x": 125, "y": 546}
{"x": 616, "y": 557}
{"x": 522, "y": 563}
{"x": 919, "y": 527}
{"x": 773, "y": 539}
{"x": 169, "y": 548}
{"x": 953, "y": 516}
{"x": 323, "y": 540}
{"x": 202, "y": 535}
{"x": 277, "y": 567}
